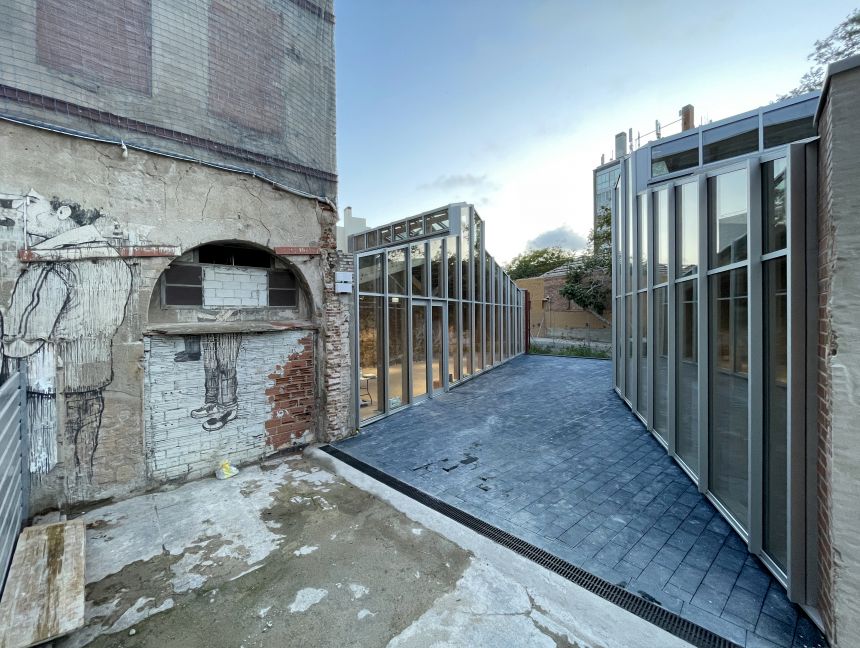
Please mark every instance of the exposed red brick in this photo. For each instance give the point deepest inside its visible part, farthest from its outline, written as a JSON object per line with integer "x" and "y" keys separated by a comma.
{"x": 107, "y": 41}
{"x": 246, "y": 64}
{"x": 292, "y": 397}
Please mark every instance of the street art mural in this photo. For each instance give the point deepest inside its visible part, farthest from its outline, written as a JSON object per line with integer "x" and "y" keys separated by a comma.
{"x": 65, "y": 308}
{"x": 220, "y": 354}
{"x": 225, "y": 395}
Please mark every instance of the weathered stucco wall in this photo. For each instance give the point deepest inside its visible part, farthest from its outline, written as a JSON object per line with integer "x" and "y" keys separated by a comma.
{"x": 78, "y": 305}
{"x": 839, "y": 358}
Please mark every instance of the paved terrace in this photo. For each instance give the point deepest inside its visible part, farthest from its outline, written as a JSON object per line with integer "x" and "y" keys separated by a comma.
{"x": 543, "y": 448}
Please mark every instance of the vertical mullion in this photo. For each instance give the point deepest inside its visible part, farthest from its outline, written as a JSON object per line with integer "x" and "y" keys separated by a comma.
{"x": 649, "y": 300}
{"x": 704, "y": 334}
{"x": 409, "y": 341}
{"x": 671, "y": 355}
{"x": 755, "y": 350}
{"x": 356, "y": 349}
{"x": 386, "y": 333}
{"x": 444, "y": 371}
{"x": 796, "y": 432}
{"x": 634, "y": 306}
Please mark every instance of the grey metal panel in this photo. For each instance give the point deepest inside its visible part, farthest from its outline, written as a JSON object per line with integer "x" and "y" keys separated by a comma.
{"x": 13, "y": 464}
{"x": 809, "y": 402}
{"x": 703, "y": 335}
{"x": 796, "y": 379}
{"x": 755, "y": 333}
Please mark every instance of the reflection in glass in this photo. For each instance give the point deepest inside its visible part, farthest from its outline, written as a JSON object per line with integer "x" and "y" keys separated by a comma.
{"x": 372, "y": 239}
{"x": 466, "y": 365}
{"x": 416, "y": 226}
{"x": 436, "y": 331}
{"x": 773, "y": 204}
{"x": 451, "y": 251}
{"x": 631, "y": 348}
{"x": 687, "y": 375}
{"x": 453, "y": 343}
{"x": 500, "y": 331}
{"x": 418, "y": 260}
{"x": 642, "y": 385}
{"x": 419, "y": 350}
{"x": 674, "y": 155}
{"x": 776, "y": 411}
{"x": 687, "y": 222}
{"x": 790, "y": 123}
{"x": 488, "y": 323}
{"x": 730, "y": 140}
{"x": 398, "y": 343}
{"x": 370, "y": 356}
{"x": 729, "y": 429}
{"x": 437, "y": 222}
{"x": 436, "y": 261}
{"x": 370, "y": 273}
{"x": 478, "y": 236}
{"x": 661, "y": 234}
{"x": 479, "y": 337}
{"x": 661, "y": 360}
{"x": 630, "y": 232}
{"x": 619, "y": 345}
{"x": 397, "y": 271}
{"x": 399, "y": 231}
{"x": 643, "y": 241}
{"x": 727, "y": 215}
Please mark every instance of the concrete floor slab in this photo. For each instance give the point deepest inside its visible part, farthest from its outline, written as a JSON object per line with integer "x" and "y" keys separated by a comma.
{"x": 542, "y": 447}
{"x": 291, "y": 554}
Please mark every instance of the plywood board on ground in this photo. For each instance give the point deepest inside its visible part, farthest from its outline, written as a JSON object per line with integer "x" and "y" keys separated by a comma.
{"x": 44, "y": 595}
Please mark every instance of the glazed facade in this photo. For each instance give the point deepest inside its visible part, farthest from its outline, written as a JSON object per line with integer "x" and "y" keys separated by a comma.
{"x": 710, "y": 320}
{"x": 434, "y": 309}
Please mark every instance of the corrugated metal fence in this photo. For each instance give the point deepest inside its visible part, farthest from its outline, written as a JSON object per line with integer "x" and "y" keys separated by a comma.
{"x": 14, "y": 464}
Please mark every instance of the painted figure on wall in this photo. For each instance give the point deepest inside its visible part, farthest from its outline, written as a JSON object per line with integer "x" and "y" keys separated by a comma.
{"x": 220, "y": 353}
{"x": 65, "y": 312}
{"x": 220, "y": 404}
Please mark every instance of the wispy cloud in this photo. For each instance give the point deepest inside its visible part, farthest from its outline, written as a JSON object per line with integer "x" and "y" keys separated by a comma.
{"x": 460, "y": 181}
{"x": 562, "y": 237}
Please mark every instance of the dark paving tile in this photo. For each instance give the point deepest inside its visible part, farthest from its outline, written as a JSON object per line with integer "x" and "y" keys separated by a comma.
{"x": 775, "y": 630}
{"x": 744, "y": 606}
{"x": 574, "y": 472}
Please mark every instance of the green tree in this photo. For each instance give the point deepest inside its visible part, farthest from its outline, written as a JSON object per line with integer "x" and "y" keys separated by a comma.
{"x": 589, "y": 281}
{"x": 842, "y": 42}
{"x": 535, "y": 262}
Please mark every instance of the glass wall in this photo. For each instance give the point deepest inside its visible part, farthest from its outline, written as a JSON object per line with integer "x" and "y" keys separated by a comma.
{"x": 707, "y": 271}
{"x": 433, "y": 309}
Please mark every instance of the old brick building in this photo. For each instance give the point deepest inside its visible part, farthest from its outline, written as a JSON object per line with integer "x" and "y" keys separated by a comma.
{"x": 167, "y": 249}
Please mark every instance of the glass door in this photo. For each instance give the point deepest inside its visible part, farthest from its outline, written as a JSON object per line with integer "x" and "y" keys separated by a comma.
{"x": 420, "y": 348}
{"x": 437, "y": 332}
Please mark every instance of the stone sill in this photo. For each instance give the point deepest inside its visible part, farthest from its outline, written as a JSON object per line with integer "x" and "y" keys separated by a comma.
{"x": 248, "y": 326}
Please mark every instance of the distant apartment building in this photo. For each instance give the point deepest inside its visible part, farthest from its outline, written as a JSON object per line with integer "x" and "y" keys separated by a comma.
{"x": 349, "y": 225}
{"x": 736, "y": 301}
{"x": 167, "y": 237}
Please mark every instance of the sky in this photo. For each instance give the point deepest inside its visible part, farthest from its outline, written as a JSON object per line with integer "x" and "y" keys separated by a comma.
{"x": 509, "y": 104}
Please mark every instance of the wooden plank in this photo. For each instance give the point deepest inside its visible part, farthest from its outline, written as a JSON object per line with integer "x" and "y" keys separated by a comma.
{"x": 44, "y": 595}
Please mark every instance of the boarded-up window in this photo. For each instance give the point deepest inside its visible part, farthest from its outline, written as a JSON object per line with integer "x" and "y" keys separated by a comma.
{"x": 183, "y": 285}
{"x": 282, "y": 288}
{"x": 106, "y": 41}
{"x": 246, "y": 64}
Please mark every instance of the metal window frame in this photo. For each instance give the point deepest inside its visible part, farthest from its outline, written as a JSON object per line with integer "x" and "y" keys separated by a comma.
{"x": 801, "y": 578}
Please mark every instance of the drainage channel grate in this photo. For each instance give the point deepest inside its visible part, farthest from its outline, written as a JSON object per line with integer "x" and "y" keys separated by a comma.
{"x": 651, "y": 612}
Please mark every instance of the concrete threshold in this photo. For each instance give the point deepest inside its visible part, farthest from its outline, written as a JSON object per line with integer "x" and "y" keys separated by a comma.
{"x": 474, "y": 613}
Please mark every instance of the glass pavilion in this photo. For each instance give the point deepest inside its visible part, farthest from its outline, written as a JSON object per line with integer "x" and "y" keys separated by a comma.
{"x": 711, "y": 341}
{"x": 434, "y": 309}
